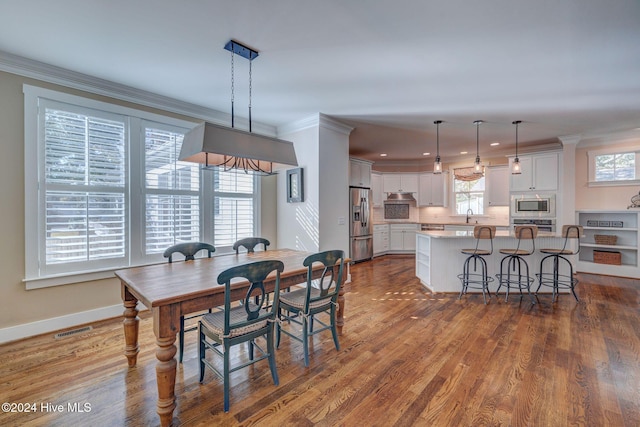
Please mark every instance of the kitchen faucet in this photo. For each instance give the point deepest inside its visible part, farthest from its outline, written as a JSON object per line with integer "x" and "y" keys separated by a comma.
{"x": 469, "y": 211}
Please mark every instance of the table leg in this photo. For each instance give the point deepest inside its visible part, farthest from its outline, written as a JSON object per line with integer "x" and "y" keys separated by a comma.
{"x": 166, "y": 378}
{"x": 130, "y": 323}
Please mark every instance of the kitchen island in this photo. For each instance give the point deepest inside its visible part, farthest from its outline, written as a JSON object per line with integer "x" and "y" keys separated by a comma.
{"x": 439, "y": 260}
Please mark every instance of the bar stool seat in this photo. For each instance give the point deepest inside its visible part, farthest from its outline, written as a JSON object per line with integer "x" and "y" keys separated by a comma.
{"x": 513, "y": 276}
{"x": 555, "y": 279}
{"x": 477, "y": 279}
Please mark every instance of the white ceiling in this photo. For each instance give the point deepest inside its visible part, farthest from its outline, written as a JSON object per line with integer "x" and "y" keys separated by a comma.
{"x": 389, "y": 68}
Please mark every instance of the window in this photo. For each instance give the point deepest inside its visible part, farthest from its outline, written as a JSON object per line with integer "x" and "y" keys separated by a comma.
{"x": 468, "y": 189}
{"x": 110, "y": 192}
{"x": 614, "y": 167}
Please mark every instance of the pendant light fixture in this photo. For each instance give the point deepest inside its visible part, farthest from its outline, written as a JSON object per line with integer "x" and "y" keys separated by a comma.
{"x": 477, "y": 167}
{"x": 228, "y": 148}
{"x": 516, "y": 169}
{"x": 437, "y": 165}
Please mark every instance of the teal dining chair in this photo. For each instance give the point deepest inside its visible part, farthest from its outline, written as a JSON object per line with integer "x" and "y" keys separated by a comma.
{"x": 189, "y": 251}
{"x": 221, "y": 330}
{"x": 302, "y": 306}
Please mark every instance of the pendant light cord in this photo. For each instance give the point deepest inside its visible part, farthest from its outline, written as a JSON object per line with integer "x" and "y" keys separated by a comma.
{"x": 232, "y": 88}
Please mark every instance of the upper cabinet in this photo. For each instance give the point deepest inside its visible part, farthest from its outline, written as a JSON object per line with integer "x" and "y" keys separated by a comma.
{"x": 539, "y": 173}
{"x": 432, "y": 189}
{"x": 376, "y": 189}
{"x": 498, "y": 185}
{"x": 359, "y": 173}
{"x": 399, "y": 183}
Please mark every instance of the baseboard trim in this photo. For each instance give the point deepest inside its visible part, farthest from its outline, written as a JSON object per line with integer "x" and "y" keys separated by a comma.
{"x": 56, "y": 323}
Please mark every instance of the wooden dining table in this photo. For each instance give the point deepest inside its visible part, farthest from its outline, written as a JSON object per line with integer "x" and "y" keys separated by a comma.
{"x": 171, "y": 290}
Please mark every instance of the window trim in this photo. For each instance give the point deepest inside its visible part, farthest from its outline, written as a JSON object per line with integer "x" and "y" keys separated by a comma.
{"x": 454, "y": 205}
{"x": 591, "y": 167}
{"x": 33, "y": 278}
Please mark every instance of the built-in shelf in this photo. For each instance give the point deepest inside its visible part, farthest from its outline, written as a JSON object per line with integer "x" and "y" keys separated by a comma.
{"x": 627, "y": 242}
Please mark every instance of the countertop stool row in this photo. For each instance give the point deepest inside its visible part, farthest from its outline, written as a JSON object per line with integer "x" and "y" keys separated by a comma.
{"x": 514, "y": 269}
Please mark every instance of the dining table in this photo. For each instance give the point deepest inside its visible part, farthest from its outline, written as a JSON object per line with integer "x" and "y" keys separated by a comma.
{"x": 172, "y": 290}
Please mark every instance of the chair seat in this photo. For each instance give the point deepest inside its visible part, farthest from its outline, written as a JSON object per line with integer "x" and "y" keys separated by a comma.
{"x": 296, "y": 299}
{"x": 519, "y": 252}
{"x": 554, "y": 251}
{"x": 214, "y": 322}
{"x": 475, "y": 252}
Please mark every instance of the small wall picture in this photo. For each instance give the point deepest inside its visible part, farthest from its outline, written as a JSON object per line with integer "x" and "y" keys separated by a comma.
{"x": 295, "y": 186}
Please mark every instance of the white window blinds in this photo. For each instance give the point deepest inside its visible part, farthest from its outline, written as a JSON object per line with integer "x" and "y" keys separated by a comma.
{"x": 84, "y": 181}
{"x": 172, "y": 204}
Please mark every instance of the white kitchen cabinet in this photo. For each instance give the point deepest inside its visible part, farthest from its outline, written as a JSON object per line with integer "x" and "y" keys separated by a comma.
{"x": 402, "y": 238}
{"x": 376, "y": 190}
{"x": 432, "y": 189}
{"x": 400, "y": 183}
{"x": 380, "y": 239}
{"x": 359, "y": 173}
{"x": 498, "y": 186}
{"x": 539, "y": 173}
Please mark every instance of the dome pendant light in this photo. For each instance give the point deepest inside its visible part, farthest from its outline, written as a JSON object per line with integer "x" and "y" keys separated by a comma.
{"x": 516, "y": 169}
{"x": 477, "y": 167}
{"x": 437, "y": 165}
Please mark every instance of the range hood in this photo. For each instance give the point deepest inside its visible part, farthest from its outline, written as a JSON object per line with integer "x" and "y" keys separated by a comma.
{"x": 400, "y": 199}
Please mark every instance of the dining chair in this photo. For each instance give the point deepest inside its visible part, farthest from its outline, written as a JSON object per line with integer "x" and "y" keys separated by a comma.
{"x": 221, "y": 330}
{"x": 188, "y": 250}
{"x": 250, "y": 244}
{"x": 301, "y": 306}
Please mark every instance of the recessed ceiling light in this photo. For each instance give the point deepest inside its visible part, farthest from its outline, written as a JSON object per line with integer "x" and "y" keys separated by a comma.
{"x": 464, "y": 152}
{"x": 383, "y": 155}
{"x": 425, "y": 154}
{"x": 493, "y": 144}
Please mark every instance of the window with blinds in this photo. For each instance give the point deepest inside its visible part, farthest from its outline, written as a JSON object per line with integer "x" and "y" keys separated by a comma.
{"x": 110, "y": 192}
{"x": 84, "y": 179}
{"x": 233, "y": 206}
{"x": 172, "y": 190}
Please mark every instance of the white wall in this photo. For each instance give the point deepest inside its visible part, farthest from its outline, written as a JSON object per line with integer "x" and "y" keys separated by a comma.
{"x": 322, "y": 149}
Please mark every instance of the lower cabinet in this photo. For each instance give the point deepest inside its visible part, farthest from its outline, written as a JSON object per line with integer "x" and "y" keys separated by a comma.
{"x": 380, "y": 239}
{"x": 402, "y": 238}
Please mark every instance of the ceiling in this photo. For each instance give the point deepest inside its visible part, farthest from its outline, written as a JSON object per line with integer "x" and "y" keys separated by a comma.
{"x": 388, "y": 68}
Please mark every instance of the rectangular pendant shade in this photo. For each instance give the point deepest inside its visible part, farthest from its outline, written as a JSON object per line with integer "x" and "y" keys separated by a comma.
{"x": 222, "y": 142}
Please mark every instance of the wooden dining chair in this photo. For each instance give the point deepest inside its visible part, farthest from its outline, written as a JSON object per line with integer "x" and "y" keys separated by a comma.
{"x": 189, "y": 251}
{"x": 221, "y": 330}
{"x": 250, "y": 244}
{"x": 301, "y": 306}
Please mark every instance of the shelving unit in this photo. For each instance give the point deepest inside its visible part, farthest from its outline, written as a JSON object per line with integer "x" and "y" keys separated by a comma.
{"x": 627, "y": 243}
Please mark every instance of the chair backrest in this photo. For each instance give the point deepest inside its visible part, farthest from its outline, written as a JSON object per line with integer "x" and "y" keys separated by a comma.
{"x": 572, "y": 232}
{"x": 329, "y": 282}
{"x": 526, "y": 232}
{"x": 250, "y": 243}
{"x": 189, "y": 250}
{"x": 255, "y": 301}
{"x": 484, "y": 232}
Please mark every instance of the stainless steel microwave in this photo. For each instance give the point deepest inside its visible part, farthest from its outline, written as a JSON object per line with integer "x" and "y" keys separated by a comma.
{"x": 533, "y": 206}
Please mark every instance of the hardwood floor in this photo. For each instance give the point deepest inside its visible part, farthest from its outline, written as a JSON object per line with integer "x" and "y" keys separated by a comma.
{"x": 407, "y": 358}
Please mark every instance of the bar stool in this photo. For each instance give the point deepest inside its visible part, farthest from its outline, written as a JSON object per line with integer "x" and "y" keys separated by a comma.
{"x": 555, "y": 279}
{"x": 515, "y": 263}
{"x": 478, "y": 279}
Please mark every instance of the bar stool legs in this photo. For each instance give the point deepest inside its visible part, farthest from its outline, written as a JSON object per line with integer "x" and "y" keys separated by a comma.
{"x": 555, "y": 280}
{"x": 514, "y": 277}
{"x": 477, "y": 279}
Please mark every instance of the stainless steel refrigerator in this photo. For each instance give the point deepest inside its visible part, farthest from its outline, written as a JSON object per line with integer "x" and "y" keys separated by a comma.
{"x": 361, "y": 229}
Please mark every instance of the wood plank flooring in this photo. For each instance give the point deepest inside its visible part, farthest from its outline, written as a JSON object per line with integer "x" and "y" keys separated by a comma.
{"x": 407, "y": 358}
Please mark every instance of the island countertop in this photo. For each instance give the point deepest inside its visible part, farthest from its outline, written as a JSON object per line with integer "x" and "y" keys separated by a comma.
{"x": 439, "y": 258}
{"x": 448, "y": 234}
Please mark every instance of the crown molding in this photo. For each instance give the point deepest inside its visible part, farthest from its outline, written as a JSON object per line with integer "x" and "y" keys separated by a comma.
{"x": 41, "y": 71}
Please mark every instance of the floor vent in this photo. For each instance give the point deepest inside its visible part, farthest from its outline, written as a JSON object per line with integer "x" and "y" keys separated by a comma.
{"x": 72, "y": 332}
